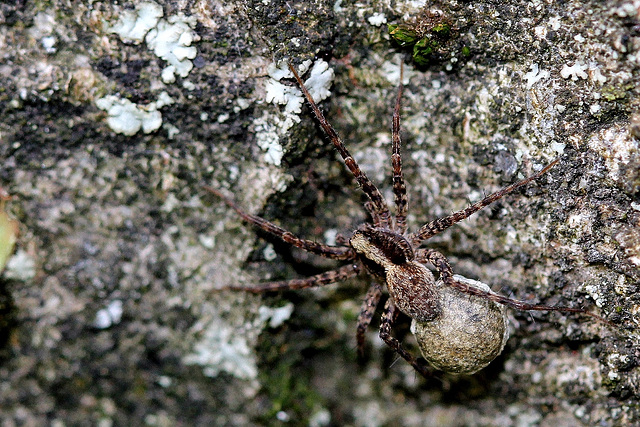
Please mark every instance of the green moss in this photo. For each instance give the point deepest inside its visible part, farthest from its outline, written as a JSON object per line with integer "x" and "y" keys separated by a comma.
{"x": 403, "y": 35}
{"x": 442, "y": 29}
{"x": 289, "y": 392}
{"x": 423, "y": 50}
{"x": 430, "y": 36}
{"x": 612, "y": 93}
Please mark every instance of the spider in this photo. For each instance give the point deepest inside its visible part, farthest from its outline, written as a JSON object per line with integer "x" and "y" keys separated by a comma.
{"x": 460, "y": 324}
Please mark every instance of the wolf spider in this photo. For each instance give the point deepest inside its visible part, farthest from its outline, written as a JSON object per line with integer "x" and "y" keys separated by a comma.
{"x": 387, "y": 251}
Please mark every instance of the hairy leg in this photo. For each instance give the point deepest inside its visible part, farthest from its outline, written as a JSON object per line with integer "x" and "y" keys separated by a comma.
{"x": 388, "y": 318}
{"x": 441, "y": 264}
{"x": 439, "y": 225}
{"x": 399, "y": 187}
{"x": 342, "y": 253}
{"x": 370, "y": 207}
{"x": 327, "y": 278}
{"x": 365, "y": 183}
{"x": 366, "y": 314}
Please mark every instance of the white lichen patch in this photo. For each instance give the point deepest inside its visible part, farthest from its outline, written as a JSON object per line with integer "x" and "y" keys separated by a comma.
{"x": 134, "y": 25}
{"x": 390, "y": 70}
{"x": 577, "y": 70}
{"x": 317, "y": 84}
{"x": 614, "y": 362}
{"x": 540, "y": 31}
{"x": 557, "y": 147}
{"x": 224, "y": 347}
{"x": 377, "y": 19}
{"x": 128, "y": 118}
{"x": 596, "y": 294}
{"x": 319, "y": 80}
{"x": 20, "y": 266}
{"x": 583, "y": 375}
{"x": 330, "y": 236}
{"x": 578, "y": 225}
{"x": 269, "y": 253}
{"x": 43, "y": 30}
{"x": 628, "y": 9}
{"x": 275, "y": 316}
{"x": 535, "y": 75}
{"x": 289, "y": 96}
{"x": 48, "y": 43}
{"x": 270, "y": 128}
{"x": 170, "y": 39}
{"x": 223, "y": 338}
{"x": 109, "y": 316}
{"x": 596, "y": 76}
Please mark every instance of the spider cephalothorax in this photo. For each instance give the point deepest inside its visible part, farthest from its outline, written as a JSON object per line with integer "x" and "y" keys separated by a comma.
{"x": 460, "y": 324}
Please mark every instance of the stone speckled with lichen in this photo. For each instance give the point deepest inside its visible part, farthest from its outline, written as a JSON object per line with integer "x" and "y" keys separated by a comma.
{"x": 121, "y": 221}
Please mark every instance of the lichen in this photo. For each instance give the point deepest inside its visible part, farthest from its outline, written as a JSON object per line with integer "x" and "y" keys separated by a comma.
{"x": 127, "y": 118}
{"x": 224, "y": 348}
{"x": 133, "y": 25}
{"x": 169, "y": 39}
{"x": 270, "y": 128}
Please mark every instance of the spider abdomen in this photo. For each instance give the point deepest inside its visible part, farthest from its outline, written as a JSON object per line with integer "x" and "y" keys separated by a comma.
{"x": 412, "y": 288}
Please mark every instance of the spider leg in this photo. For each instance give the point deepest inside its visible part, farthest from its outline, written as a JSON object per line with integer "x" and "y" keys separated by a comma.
{"x": 327, "y": 278}
{"x": 441, "y": 264}
{"x": 439, "y": 225}
{"x": 399, "y": 187}
{"x": 365, "y": 183}
{"x": 366, "y": 314}
{"x": 388, "y": 318}
{"x": 333, "y": 252}
{"x": 370, "y": 207}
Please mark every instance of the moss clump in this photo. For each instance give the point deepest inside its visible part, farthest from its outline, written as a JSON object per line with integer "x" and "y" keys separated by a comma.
{"x": 430, "y": 37}
{"x": 613, "y": 93}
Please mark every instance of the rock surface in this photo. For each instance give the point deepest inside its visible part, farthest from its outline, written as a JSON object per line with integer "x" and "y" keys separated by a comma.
{"x": 114, "y": 116}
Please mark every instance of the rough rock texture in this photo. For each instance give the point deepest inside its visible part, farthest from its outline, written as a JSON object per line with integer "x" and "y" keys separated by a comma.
{"x": 107, "y": 310}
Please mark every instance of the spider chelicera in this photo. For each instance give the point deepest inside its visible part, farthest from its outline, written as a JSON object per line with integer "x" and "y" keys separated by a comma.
{"x": 460, "y": 324}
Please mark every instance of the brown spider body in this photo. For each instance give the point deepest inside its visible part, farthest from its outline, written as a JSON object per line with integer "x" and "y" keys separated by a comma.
{"x": 460, "y": 324}
{"x": 411, "y": 286}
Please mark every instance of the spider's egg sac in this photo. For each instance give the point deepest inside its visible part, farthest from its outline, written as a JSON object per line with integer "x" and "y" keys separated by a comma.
{"x": 470, "y": 332}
